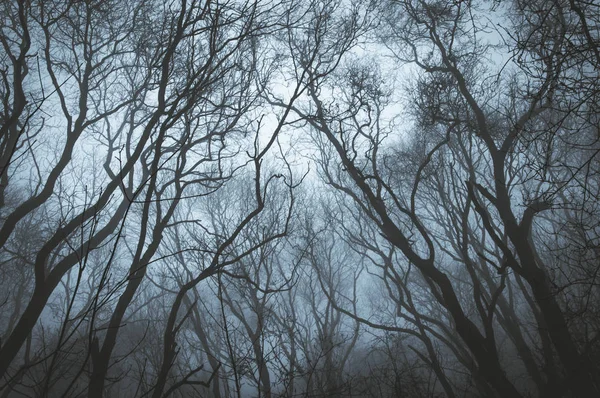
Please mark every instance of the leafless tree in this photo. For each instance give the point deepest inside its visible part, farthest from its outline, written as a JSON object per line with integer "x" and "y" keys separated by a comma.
{"x": 155, "y": 239}
{"x": 463, "y": 121}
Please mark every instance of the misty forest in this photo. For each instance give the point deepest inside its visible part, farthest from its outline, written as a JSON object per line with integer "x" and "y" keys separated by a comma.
{"x": 300, "y": 198}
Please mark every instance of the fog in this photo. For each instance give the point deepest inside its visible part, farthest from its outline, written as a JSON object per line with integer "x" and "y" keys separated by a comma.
{"x": 293, "y": 198}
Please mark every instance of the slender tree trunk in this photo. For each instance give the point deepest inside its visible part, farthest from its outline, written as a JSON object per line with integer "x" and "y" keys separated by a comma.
{"x": 101, "y": 357}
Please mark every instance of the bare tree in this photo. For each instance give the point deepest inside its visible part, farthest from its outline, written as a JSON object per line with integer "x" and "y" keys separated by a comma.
{"x": 159, "y": 91}
{"x": 152, "y": 242}
{"x": 443, "y": 40}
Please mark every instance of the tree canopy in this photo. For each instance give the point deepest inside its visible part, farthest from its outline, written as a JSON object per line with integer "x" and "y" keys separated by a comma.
{"x": 279, "y": 198}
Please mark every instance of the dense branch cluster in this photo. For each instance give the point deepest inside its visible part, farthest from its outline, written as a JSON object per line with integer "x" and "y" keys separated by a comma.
{"x": 278, "y": 198}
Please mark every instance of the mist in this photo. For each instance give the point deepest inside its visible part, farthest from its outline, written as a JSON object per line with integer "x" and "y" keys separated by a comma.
{"x": 296, "y": 198}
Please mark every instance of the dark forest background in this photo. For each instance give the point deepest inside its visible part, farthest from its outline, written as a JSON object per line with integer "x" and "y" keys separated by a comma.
{"x": 295, "y": 198}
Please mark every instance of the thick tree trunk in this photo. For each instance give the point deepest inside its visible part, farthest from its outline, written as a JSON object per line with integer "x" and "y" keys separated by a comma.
{"x": 11, "y": 347}
{"x": 581, "y": 373}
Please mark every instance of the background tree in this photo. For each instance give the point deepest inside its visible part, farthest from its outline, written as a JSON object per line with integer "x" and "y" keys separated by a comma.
{"x": 283, "y": 198}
